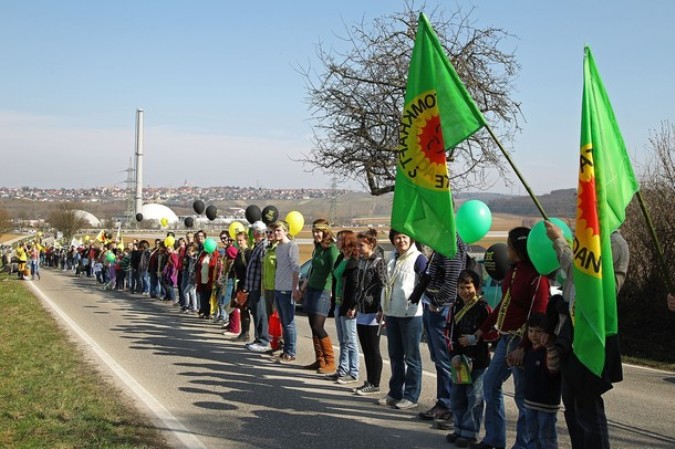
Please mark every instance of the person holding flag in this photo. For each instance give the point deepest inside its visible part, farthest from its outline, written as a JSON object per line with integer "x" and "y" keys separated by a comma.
{"x": 438, "y": 115}
{"x": 595, "y": 269}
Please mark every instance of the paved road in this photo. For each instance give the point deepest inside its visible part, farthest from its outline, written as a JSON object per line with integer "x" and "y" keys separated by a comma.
{"x": 205, "y": 391}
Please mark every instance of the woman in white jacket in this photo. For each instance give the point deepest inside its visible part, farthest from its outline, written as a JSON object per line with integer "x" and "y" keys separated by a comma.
{"x": 404, "y": 322}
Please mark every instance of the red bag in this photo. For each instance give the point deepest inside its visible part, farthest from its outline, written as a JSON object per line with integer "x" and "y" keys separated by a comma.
{"x": 275, "y": 330}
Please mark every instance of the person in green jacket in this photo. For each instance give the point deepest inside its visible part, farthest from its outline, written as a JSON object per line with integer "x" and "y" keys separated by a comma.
{"x": 316, "y": 295}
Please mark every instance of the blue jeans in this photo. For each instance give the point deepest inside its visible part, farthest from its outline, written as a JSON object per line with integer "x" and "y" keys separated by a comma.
{"x": 256, "y": 303}
{"x": 404, "y": 335}
{"x": 146, "y": 281}
{"x": 467, "y": 405}
{"x": 495, "y": 417}
{"x": 191, "y": 300}
{"x": 541, "y": 428}
{"x": 286, "y": 309}
{"x": 348, "y": 362}
{"x": 434, "y": 326}
{"x": 224, "y": 299}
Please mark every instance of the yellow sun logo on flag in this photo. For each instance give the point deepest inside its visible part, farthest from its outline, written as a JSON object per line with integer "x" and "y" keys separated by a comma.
{"x": 587, "y": 249}
{"x": 421, "y": 147}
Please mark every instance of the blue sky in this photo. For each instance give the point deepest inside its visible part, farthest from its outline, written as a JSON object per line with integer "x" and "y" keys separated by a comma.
{"x": 225, "y": 105}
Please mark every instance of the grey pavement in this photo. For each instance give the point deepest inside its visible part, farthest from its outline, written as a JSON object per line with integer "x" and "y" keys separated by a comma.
{"x": 204, "y": 390}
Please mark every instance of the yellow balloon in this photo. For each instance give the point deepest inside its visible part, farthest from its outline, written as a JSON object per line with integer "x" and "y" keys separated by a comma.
{"x": 169, "y": 241}
{"x": 295, "y": 222}
{"x": 164, "y": 221}
{"x": 85, "y": 238}
{"x": 236, "y": 228}
{"x": 120, "y": 246}
{"x": 39, "y": 234}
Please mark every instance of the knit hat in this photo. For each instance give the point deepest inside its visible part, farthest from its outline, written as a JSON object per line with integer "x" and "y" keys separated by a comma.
{"x": 231, "y": 252}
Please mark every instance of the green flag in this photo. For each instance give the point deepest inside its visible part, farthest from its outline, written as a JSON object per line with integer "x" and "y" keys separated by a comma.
{"x": 439, "y": 114}
{"x": 606, "y": 185}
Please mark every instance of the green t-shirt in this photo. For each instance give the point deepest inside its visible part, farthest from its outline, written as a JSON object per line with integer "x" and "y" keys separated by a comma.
{"x": 269, "y": 267}
{"x": 323, "y": 260}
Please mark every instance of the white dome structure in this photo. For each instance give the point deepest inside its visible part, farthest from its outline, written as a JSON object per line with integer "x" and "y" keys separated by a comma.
{"x": 157, "y": 212}
{"x": 91, "y": 220}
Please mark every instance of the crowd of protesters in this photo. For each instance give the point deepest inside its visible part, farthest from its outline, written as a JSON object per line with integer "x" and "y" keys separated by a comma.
{"x": 253, "y": 276}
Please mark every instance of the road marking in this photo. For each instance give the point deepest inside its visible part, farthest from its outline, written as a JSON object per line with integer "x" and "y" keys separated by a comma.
{"x": 169, "y": 421}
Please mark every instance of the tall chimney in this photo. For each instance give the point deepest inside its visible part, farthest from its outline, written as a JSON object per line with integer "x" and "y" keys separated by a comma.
{"x": 138, "y": 199}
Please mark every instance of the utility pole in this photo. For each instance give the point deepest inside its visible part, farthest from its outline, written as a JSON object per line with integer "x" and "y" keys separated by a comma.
{"x": 332, "y": 212}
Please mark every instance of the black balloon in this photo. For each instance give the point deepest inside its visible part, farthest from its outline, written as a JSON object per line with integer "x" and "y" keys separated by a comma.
{"x": 270, "y": 214}
{"x": 211, "y": 212}
{"x": 253, "y": 213}
{"x": 189, "y": 222}
{"x": 198, "y": 206}
{"x": 139, "y": 217}
{"x": 496, "y": 261}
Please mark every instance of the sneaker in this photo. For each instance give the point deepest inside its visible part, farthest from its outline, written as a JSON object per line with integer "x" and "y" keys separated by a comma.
{"x": 464, "y": 442}
{"x": 217, "y": 320}
{"x": 387, "y": 400}
{"x": 334, "y": 377}
{"x": 346, "y": 380}
{"x": 435, "y": 412}
{"x": 286, "y": 358}
{"x": 367, "y": 389}
{"x": 230, "y": 333}
{"x": 405, "y": 404}
{"x": 257, "y": 347}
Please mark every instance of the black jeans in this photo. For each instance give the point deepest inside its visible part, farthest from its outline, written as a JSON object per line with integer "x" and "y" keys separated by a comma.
{"x": 370, "y": 345}
{"x": 585, "y": 418}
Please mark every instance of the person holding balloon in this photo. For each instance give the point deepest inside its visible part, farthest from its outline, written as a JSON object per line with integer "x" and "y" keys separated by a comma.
{"x": 208, "y": 266}
{"x": 317, "y": 295}
{"x": 525, "y": 291}
{"x": 170, "y": 271}
{"x": 582, "y": 390}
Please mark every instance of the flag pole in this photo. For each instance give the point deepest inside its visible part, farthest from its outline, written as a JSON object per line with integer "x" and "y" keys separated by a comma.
{"x": 655, "y": 239}
{"x": 515, "y": 169}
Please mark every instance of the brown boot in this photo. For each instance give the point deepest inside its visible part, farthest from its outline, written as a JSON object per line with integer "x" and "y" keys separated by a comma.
{"x": 318, "y": 353}
{"x": 328, "y": 357}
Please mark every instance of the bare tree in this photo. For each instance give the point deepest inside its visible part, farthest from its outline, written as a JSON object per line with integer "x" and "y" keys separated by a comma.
{"x": 641, "y": 301}
{"x": 65, "y": 219}
{"x": 357, "y": 97}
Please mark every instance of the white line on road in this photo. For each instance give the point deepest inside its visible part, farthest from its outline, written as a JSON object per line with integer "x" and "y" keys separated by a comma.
{"x": 168, "y": 420}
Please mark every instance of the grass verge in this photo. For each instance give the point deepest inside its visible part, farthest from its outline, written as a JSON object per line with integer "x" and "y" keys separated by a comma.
{"x": 51, "y": 397}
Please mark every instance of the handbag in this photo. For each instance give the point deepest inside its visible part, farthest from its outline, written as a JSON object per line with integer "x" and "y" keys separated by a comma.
{"x": 241, "y": 298}
{"x": 274, "y": 324}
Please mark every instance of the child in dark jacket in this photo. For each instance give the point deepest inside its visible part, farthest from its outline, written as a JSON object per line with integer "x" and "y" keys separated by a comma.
{"x": 466, "y": 399}
{"x": 542, "y": 383}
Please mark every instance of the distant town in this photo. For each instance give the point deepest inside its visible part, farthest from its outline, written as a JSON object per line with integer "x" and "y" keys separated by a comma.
{"x": 166, "y": 195}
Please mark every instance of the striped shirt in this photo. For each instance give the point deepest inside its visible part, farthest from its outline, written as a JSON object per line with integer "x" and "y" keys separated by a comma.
{"x": 442, "y": 288}
{"x": 288, "y": 262}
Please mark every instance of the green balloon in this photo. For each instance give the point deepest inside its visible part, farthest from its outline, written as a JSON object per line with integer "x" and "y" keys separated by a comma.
{"x": 210, "y": 245}
{"x": 473, "y": 221}
{"x": 540, "y": 248}
{"x": 110, "y": 256}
